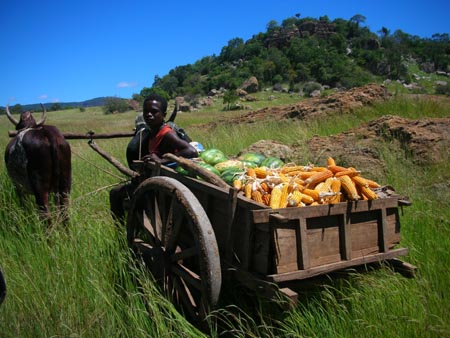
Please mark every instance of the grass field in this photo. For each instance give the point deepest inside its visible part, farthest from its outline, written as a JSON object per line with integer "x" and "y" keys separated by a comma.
{"x": 81, "y": 282}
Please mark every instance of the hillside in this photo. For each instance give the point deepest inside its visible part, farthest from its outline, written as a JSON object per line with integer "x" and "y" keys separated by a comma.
{"x": 300, "y": 51}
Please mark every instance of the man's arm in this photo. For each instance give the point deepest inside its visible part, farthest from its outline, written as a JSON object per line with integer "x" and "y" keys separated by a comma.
{"x": 170, "y": 142}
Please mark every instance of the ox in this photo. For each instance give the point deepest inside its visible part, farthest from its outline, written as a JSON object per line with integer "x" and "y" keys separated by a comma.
{"x": 38, "y": 161}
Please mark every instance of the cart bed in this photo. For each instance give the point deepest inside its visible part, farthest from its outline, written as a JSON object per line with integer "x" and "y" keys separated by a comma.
{"x": 296, "y": 243}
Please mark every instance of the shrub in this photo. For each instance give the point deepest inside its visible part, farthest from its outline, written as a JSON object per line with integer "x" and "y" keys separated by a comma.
{"x": 443, "y": 90}
{"x": 309, "y": 87}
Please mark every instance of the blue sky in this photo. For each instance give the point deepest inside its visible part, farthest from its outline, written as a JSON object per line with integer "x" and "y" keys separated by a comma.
{"x": 64, "y": 51}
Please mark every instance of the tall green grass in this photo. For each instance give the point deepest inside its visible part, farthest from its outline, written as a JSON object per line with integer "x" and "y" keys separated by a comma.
{"x": 80, "y": 281}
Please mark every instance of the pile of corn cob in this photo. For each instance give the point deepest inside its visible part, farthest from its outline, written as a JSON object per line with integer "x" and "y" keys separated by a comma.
{"x": 297, "y": 186}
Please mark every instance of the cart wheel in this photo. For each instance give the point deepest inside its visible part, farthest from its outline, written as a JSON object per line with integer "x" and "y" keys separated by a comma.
{"x": 170, "y": 231}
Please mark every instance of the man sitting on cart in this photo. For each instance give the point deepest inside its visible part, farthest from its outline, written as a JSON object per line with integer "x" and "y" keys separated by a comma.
{"x": 162, "y": 140}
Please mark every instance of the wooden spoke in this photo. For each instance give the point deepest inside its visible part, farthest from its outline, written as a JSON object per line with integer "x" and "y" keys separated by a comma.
{"x": 184, "y": 254}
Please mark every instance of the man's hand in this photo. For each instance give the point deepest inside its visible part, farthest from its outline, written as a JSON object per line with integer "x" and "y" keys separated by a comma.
{"x": 151, "y": 158}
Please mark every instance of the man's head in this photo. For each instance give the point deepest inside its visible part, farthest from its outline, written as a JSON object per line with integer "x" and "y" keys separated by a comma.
{"x": 157, "y": 100}
{"x": 154, "y": 110}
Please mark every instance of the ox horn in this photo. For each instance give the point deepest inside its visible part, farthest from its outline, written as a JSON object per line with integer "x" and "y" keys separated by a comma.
{"x": 10, "y": 117}
{"x": 44, "y": 116}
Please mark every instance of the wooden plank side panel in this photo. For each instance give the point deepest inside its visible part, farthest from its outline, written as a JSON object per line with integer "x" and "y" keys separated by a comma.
{"x": 286, "y": 250}
{"x": 364, "y": 237}
{"x": 393, "y": 219}
{"x": 251, "y": 244}
{"x": 323, "y": 240}
{"x": 327, "y": 268}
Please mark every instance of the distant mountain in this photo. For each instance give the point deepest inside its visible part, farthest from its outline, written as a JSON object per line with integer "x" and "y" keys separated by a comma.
{"x": 96, "y": 102}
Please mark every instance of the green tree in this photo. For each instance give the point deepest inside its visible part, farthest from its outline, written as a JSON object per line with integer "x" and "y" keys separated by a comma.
{"x": 229, "y": 98}
{"x": 16, "y": 109}
{"x": 233, "y": 51}
{"x": 358, "y": 19}
{"x": 146, "y": 91}
{"x": 56, "y": 106}
{"x": 272, "y": 26}
{"x": 115, "y": 105}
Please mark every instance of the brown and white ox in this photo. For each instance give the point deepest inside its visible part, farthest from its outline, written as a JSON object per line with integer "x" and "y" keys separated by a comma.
{"x": 38, "y": 161}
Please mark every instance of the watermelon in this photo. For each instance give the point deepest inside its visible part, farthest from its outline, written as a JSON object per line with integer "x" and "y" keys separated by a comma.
{"x": 249, "y": 164}
{"x": 252, "y": 157}
{"x": 209, "y": 167}
{"x": 213, "y": 156}
{"x": 179, "y": 169}
{"x": 229, "y": 175}
{"x": 272, "y": 162}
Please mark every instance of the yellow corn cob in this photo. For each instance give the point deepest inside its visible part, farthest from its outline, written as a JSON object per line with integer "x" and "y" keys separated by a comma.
{"x": 275, "y": 197}
{"x": 251, "y": 172}
{"x": 293, "y": 173}
{"x": 317, "y": 178}
{"x": 336, "y": 168}
{"x": 266, "y": 199}
{"x": 319, "y": 169}
{"x": 237, "y": 184}
{"x": 319, "y": 186}
{"x": 314, "y": 194}
{"x": 335, "y": 185}
{"x": 349, "y": 187}
{"x": 372, "y": 184}
{"x": 260, "y": 172}
{"x": 336, "y": 188}
{"x": 361, "y": 181}
{"x": 330, "y": 161}
{"x": 307, "y": 199}
{"x": 369, "y": 193}
{"x": 306, "y": 174}
{"x": 264, "y": 187}
{"x": 284, "y": 178}
{"x": 286, "y": 170}
{"x": 256, "y": 196}
{"x": 295, "y": 198}
{"x": 350, "y": 172}
{"x": 326, "y": 185}
{"x": 248, "y": 190}
{"x": 284, "y": 195}
{"x": 299, "y": 181}
{"x": 358, "y": 189}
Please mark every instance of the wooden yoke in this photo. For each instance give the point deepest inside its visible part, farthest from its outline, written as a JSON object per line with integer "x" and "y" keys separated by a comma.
{"x": 113, "y": 161}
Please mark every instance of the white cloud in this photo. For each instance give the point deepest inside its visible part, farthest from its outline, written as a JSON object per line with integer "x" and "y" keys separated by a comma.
{"x": 125, "y": 84}
{"x": 43, "y": 97}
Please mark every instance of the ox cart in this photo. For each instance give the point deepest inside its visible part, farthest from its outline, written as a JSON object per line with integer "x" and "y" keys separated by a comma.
{"x": 194, "y": 233}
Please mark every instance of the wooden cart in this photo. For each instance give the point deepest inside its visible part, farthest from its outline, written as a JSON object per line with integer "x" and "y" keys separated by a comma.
{"x": 192, "y": 235}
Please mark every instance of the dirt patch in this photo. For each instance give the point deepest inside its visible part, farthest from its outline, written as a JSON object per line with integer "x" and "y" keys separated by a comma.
{"x": 340, "y": 102}
{"x": 423, "y": 141}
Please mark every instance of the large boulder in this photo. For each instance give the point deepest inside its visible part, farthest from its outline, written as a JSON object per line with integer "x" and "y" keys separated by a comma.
{"x": 270, "y": 148}
{"x": 251, "y": 85}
